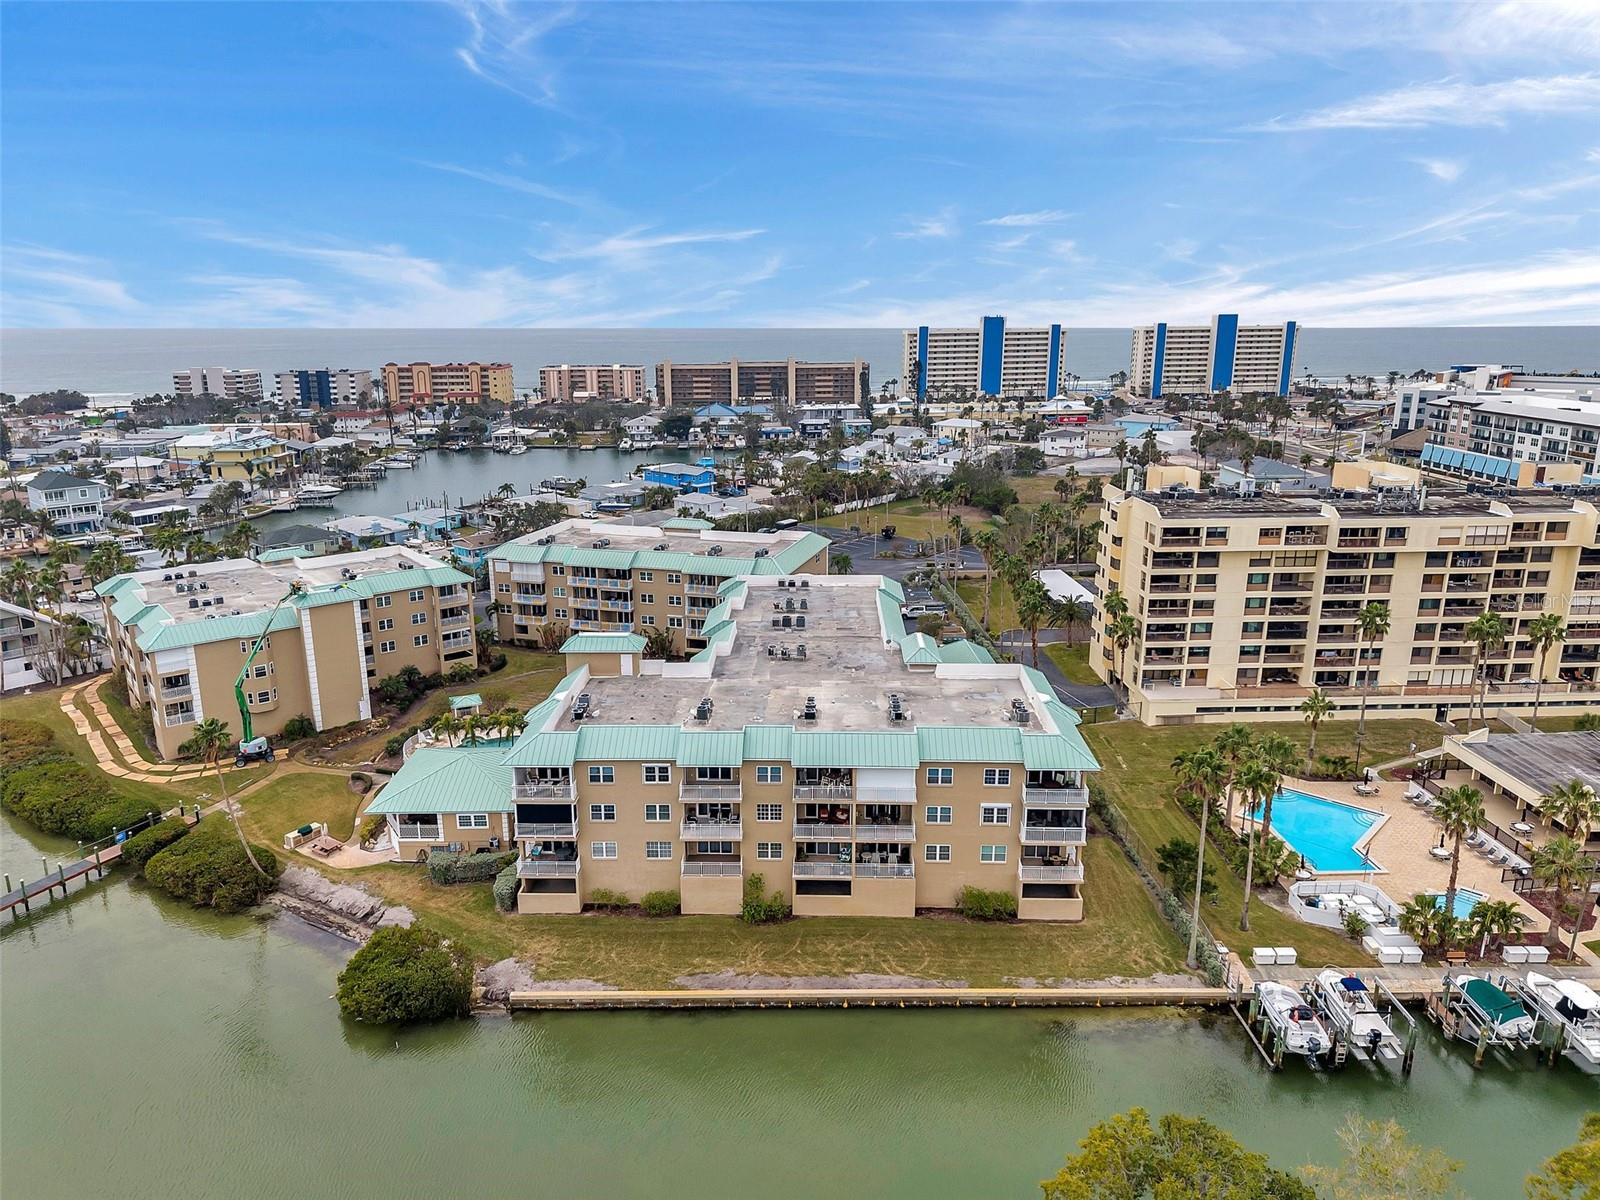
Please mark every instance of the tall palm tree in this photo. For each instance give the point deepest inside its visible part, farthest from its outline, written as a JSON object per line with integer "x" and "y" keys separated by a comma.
{"x": 449, "y": 727}
{"x": 1317, "y": 708}
{"x": 169, "y": 540}
{"x": 1034, "y": 608}
{"x": 1460, "y": 811}
{"x": 988, "y": 543}
{"x": 1561, "y": 864}
{"x": 1545, "y": 631}
{"x": 1201, "y": 773}
{"x": 1234, "y": 744}
{"x": 1258, "y": 782}
{"x": 1487, "y": 633}
{"x": 1124, "y": 632}
{"x": 1494, "y": 919}
{"x": 1572, "y": 805}
{"x": 1372, "y": 623}
{"x": 212, "y": 741}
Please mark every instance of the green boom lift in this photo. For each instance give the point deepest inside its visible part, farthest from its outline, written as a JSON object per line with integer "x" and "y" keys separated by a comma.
{"x": 252, "y": 748}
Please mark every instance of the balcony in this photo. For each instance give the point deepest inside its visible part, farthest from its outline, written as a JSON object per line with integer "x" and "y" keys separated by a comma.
{"x": 1054, "y": 835}
{"x": 880, "y": 870}
{"x": 418, "y": 832}
{"x": 178, "y": 692}
{"x": 701, "y": 589}
{"x": 824, "y": 870}
{"x": 885, "y": 833}
{"x": 1072, "y": 873}
{"x": 546, "y": 868}
{"x": 709, "y": 830}
{"x": 825, "y": 791}
{"x": 1043, "y": 797}
{"x": 544, "y": 790}
{"x": 822, "y": 831}
{"x": 719, "y": 869}
{"x": 691, "y": 791}
{"x": 455, "y": 621}
{"x": 543, "y": 830}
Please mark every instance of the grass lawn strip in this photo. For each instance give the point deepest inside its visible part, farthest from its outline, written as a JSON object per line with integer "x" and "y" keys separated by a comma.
{"x": 1073, "y": 662}
{"x": 297, "y": 798}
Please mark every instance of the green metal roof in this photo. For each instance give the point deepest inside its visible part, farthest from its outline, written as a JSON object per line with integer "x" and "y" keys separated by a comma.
{"x": 283, "y": 554}
{"x": 767, "y": 743}
{"x": 216, "y": 629}
{"x": 438, "y": 779}
{"x": 470, "y": 700}
{"x": 544, "y": 750}
{"x": 604, "y": 643}
{"x": 854, "y": 750}
{"x": 968, "y": 743}
{"x": 964, "y": 651}
{"x": 1064, "y": 751}
{"x": 643, "y": 743}
{"x": 687, "y": 523}
{"x": 919, "y": 650}
{"x": 710, "y": 748}
{"x": 894, "y": 625}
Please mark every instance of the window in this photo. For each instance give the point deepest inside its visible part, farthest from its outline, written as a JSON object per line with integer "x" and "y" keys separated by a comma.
{"x": 419, "y": 618}
{"x": 769, "y": 850}
{"x": 714, "y": 848}
{"x": 560, "y": 591}
{"x": 260, "y": 670}
{"x": 657, "y": 773}
{"x": 386, "y": 647}
{"x": 674, "y": 601}
{"x": 674, "y": 622}
{"x": 994, "y": 814}
{"x": 385, "y": 624}
{"x": 658, "y": 849}
{"x": 420, "y": 640}
{"x": 264, "y": 697}
{"x": 647, "y": 619}
{"x": 997, "y": 777}
{"x": 769, "y": 812}
{"x": 602, "y": 774}
{"x": 658, "y": 812}
{"x": 383, "y": 601}
{"x": 769, "y": 774}
{"x": 602, "y": 849}
{"x": 938, "y": 814}
{"x": 472, "y": 820}
{"x": 415, "y": 595}
{"x": 647, "y": 598}
{"x": 941, "y": 776}
{"x": 674, "y": 577}
{"x": 502, "y": 588}
{"x": 602, "y": 812}
{"x": 646, "y": 576}
{"x": 992, "y": 854}
{"x": 244, "y": 647}
{"x": 557, "y": 569}
{"x": 561, "y": 614}
{"x": 932, "y": 853}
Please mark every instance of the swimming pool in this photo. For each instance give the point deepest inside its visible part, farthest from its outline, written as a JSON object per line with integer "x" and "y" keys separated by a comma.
{"x": 1323, "y": 832}
{"x": 1466, "y": 898}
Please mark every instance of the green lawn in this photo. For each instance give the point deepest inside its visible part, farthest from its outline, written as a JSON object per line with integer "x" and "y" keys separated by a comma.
{"x": 296, "y": 799}
{"x": 1002, "y": 607}
{"x": 1121, "y": 934}
{"x": 1137, "y": 774}
{"x": 1073, "y": 662}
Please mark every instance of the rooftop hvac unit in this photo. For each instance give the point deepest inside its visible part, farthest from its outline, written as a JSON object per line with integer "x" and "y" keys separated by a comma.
{"x": 402, "y": 564}
{"x": 204, "y": 586}
{"x": 777, "y": 622}
{"x": 346, "y": 573}
{"x": 762, "y": 552}
{"x": 217, "y": 600}
{"x": 714, "y": 552}
{"x": 211, "y": 616}
{"x": 803, "y": 605}
{"x": 800, "y": 650}
{"x": 809, "y": 712}
{"x": 580, "y": 708}
{"x": 788, "y": 605}
{"x": 800, "y": 622}
{"x": 772, "y": 651}
{"x": 702, "y": 711}
{"x": 167, "y": 578}
{"x": 193, "y": 603}
{"x": 192, "y": 574}
{"x": 661, "y": 545}
{"x": 603, "y": 543}
{"x": 805, "y": 583}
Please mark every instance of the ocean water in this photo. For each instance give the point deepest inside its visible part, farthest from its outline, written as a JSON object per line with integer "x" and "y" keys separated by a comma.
{"x": 142, "y": 360}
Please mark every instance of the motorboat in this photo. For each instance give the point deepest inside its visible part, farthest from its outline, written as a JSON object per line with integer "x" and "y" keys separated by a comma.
{"x": 1348, "y": 1006}
{"x": 1575, "y": 1007}
{"x": 1295, "y": 1021}
{"x": 518, "y": 449}
{"x": 397, "y": 462}
{"x": 1483, "y": 1005}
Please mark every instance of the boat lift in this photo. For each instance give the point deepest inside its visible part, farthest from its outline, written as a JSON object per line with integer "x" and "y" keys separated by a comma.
{"x": 1552, "y": 1038}
{"x": 1458, "y": 1018}
{"x": 1398, "y": 1047}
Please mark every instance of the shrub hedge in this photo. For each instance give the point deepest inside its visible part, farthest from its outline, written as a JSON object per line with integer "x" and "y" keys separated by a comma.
{"x": 605, "y": 898}
{"x": 208, "y": 868}
{"x": 142, "y": 847}
{"x": 60, "y": 795}
{"x": 758, "y": 907}
{"x": 981, "y": 905}
{"x": 404, "y": 975}
{"x": 661, "y": 904}
{"x": 505, "y": 888}
{"x": 21, "y": 741}
{"x": 299, "y": 727}
{"x": 447, "y": 867}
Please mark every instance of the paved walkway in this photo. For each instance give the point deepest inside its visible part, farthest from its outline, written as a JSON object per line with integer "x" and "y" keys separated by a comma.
{"x": 102, "y": 732}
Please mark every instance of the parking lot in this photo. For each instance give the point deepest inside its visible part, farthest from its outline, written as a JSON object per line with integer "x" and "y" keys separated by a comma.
{"x": 864, "y": 551}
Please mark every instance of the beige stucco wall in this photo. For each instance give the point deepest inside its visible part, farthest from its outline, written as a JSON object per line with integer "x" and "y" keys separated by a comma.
{"x": 868, "y": 898}
{"x": 939, "y": 883}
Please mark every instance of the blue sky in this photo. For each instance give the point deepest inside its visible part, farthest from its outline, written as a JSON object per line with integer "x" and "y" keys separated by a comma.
{"x": 468, "y": 164}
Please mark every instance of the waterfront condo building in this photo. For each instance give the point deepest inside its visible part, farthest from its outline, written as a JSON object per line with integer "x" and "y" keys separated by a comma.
{"x": 1496, "y": 436}
{"x": 1244, "y": 604}
{"x": 335, "y": 625}
{"x": 567, "y": 384}
{"x": 858, "y": 769}
{"x": 1224, "y": 356}
{"x": 599, "y": 577}
{"x": 321, "y": 387}
{"x": 225, "y": 383}
{"x": 451, "y": 383}
{"x": 787, "y": 380}
{"x": 986, "y": 360}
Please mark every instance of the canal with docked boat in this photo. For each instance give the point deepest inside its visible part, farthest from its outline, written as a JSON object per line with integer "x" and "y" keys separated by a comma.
{"x": 174, "y": 1052}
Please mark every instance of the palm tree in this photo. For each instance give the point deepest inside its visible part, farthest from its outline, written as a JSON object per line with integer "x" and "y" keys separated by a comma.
{"x": 988, "y": 543}
{"x": 1460, "y": 811}
{"x": 1560, "y": 862}
{"x": 1494, "y": 918}
{"x": 1487, "y": 633}
{"x": 1124, "y": 632}
{"x": 1419, "y": 917}
{"x": 955, "y": 546}
{"x": 1234, "y": 744}
{"x": 1573, "y": 806}
{"x": 1201, "y": 773}
{"x": 449, "y": 727}
{"x": 212, "y": 741}
{"x": 1258, "y": 782}
{"x": 471, "y": 729}
{"x": 1034, "y": 608}
{"x": 1073, "y": 612}
{"x": 1544, "y": 631}
{"x": 169, "y": 540}
{"x": 1372, "y": 623}
{"x": 1317, "y": 708}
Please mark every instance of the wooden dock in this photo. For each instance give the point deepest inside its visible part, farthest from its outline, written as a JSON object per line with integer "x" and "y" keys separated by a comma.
{"x": 1198, "y": 996}
{"x": 100, "y": 856}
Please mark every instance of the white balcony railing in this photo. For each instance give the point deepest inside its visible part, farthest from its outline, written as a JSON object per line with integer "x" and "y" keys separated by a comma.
{"x": 813, "y": 831}
{"x": 886, "y": 833}
{"x": 706, "y": 830}
{"x": 825, "y": 791}
{"x": 418, "y": 832}
{"x": 1054, "y": 835}
{"x": 546, "y": 868}
{"x": 822, "y": 870}
{"x": 1056, "y": 797}
{"x": 557, "y": 829}
{"x": 456, "y": 621}
{"x": 693, "y": 790}
{"x": 886, "y": 793}
{"x": 544, "y": 790}
{"x": 884, "y": 871}
{"x": 1064, "y": 874}
{"x": 723, "y": 869}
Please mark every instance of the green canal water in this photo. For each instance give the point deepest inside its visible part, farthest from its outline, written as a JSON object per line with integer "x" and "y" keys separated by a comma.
{"x": 155, "y": 1051}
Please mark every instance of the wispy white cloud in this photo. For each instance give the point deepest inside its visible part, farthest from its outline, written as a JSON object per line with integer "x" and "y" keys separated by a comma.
{"x": 45, "y": 285}
{"x": 503, "y": 45}
{"x": 632, "y": 243}
{"x": 1444, "y": 169}
{"x": 1452, "y": 102}
{"x": 1029, "y": 220}
{"x": 941, "y": 225}
{"x": 512, "y": 183}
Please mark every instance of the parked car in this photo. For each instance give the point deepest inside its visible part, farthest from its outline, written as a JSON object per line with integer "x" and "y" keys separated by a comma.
{"x": 923, "y": 604}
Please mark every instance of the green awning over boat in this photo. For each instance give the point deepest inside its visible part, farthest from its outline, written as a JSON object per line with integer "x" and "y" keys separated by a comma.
{"x": 1495, "y": 1004}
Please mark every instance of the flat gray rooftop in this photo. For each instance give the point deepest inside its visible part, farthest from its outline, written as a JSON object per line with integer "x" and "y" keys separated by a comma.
{"x": 252, "y": 587}
{"x": 847, "y": 668}
{"x": 1440, "y": 503}
{"x": 1544, "y": 760}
